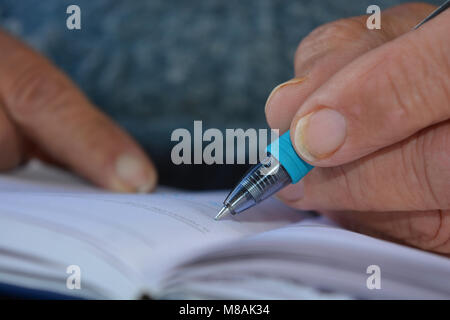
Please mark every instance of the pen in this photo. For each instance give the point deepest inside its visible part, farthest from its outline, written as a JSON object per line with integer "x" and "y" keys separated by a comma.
{"x": 281, "y": 167}
{"x": 442, "y": 8}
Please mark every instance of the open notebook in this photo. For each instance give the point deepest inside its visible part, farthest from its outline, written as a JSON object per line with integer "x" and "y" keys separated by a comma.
{"x": 167, "y": 245}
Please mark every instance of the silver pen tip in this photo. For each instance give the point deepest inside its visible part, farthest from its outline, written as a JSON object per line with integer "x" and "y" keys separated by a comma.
{"x": 223, "y": 212}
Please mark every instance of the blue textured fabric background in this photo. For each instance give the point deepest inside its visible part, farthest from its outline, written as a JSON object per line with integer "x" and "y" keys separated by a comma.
{"x": 156, "y": 65}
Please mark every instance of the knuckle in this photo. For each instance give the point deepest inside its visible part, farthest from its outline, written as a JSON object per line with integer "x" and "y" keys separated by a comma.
{"x": 403, "y": 108}
{"x": 430, "y": 231}
{"x": 445, "y": 150}
{"x": 351, "y": 186}
{"x": 407, "y": 95}
{"x": 436, "y": 167}
{"x": 36, "y": 89}
{"x": 400, "y": 93}
{"x": 419, "y": 185}
{"x": 327, "y": 37}
{"x": 443, "y": 77}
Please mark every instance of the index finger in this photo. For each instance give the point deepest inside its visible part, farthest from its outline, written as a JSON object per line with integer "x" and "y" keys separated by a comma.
{"x": 52, "y": 111}
{"x": 331, "y": 47}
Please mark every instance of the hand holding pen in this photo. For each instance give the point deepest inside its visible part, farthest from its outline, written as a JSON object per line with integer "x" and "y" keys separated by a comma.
{"x": 370, "y": 109}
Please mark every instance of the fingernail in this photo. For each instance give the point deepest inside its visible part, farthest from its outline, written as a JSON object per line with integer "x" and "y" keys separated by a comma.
{"x": 134, "y": 174}
{"x": 319, "y": 134}
{"x": 292, "y": 192}
{"x": 282, "y": 85}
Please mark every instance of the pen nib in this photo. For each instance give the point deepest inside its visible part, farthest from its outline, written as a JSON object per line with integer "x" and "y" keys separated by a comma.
{"x": 224, "y": 211}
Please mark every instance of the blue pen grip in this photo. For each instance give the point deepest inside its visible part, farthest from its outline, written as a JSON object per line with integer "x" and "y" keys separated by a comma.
{"x": 284, "y": 152}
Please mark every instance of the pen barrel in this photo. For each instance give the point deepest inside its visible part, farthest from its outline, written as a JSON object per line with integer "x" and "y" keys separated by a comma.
{"x": 266, "y": 179}
{"x": 260, "y": 182}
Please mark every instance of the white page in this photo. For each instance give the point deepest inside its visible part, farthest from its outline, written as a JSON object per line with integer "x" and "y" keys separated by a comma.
{"x": 135, "y": 232}
{"x": 313, "y": 253}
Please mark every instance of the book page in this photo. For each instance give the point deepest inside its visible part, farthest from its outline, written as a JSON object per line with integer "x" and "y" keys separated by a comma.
{"x": 312, "y": 259}
{"x": 66, "y": 218}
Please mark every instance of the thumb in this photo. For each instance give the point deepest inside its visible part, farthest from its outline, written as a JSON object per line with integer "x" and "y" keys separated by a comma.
{"x": 49, "y": 110}
{"x": 381, "y": 98}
